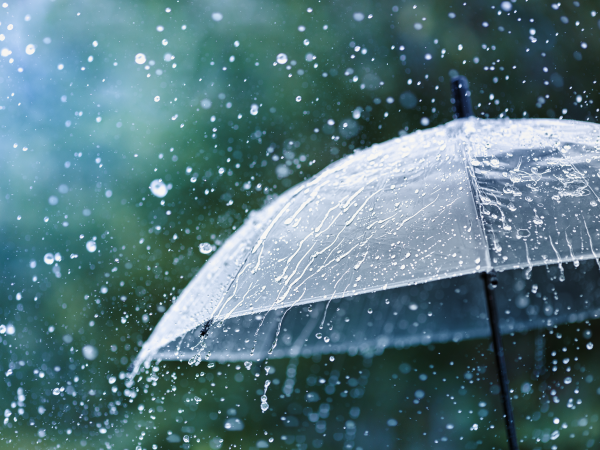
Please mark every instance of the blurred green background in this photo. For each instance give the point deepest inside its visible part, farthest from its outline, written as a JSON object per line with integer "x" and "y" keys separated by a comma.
{"x": 229, "y": 104}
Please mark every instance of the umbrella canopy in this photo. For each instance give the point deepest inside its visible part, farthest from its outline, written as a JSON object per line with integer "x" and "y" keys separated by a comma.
{"x": 467, "y": 197}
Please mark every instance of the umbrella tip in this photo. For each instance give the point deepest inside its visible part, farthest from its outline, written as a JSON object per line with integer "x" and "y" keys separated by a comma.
{"x": 461, "y": 97}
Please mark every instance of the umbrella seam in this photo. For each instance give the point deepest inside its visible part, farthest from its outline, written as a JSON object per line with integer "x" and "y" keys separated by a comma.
{"x": 475, "y": 197}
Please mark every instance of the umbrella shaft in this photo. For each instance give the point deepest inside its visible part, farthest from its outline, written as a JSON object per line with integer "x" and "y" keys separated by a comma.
{"x": 490, "y": 284}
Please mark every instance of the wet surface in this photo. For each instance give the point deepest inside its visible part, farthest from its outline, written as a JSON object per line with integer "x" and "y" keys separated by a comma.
{"x": 463, "y": 198}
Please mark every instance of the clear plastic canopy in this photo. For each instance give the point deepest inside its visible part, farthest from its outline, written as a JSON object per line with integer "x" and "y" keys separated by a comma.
{"x": 466, "y": 197}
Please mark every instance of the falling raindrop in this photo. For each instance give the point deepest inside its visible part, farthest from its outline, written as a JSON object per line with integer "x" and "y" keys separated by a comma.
{"x": 282, "y": 58}
{"x": 205, "y": 248}
{"x": 30, "y": 49}
{"x": 90, "y": 246}
{"x": 90, "y": 352}
{"x": 158, "y": 188}
{"x": 140, "y": 58}
{"x": 299, "y": 98}
{"x": 254, "y": 109}
{"x": 217, "y": 16}
{"x": 49, "y": 258}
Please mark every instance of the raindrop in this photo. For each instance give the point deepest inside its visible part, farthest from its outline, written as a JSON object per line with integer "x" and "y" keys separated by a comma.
{"x": 254, "y": 109}
{"x": 30, "y": 49}
{"x": 263, "y": 403}
{"x": 358, "y": 16}
{"x": 217, "y": 16}
{"x": 589, "y": 346}
{"x": 506, "y": 6}
{"x": 157, "y": 98}
{"x": 408, "y": 100}
{"x": 90, "y": 246}
{"x": 299, "y": 98}
{"x": 140, "y": 58}
{"x": 282, "y": 58}
{"x": 49, "y": 258}
{"x": 158, "y": 188}
{"x": 205, "y": 248}
{"x": 90, "y": 352}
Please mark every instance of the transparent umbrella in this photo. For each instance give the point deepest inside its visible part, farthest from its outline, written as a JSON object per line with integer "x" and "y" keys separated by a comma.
{"x": 332, "y": 264}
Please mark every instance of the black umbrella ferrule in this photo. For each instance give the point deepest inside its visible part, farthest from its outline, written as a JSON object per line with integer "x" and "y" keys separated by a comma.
{"x": 461, "y": 97}
{"x": 491, "y": 283}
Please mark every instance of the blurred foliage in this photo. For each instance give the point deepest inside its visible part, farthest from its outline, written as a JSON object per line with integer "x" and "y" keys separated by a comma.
{"x": 85, "y": 129}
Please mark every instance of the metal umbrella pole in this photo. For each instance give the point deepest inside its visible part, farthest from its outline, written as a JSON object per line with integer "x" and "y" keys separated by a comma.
{"x": 461, "y": 99}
